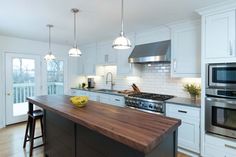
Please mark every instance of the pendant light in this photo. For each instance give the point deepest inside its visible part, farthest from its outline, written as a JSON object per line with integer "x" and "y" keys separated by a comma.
{"x": 121, "y": 42}
{"x": 49, "y": 56}
{"x": 75, "y": 51}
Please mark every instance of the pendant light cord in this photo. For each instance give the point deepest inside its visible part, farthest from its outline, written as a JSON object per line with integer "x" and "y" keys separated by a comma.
{"x": 49, "y": 39}
{"x": 122, "y": 18}
{"x": 75, "y": 37}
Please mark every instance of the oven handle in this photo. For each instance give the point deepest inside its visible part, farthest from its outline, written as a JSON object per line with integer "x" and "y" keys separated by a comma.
{"x": 223, "y": 100}
{"x": 229, "y": 146}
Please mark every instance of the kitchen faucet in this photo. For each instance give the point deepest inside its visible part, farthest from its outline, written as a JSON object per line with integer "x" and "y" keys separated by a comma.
{"x": 111, "y": 80}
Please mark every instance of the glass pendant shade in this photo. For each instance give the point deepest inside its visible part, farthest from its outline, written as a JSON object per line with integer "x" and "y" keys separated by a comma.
{"x": 121, "y": 42}
{"x": 75, "y": 52}
{"x": 49, "y": 57}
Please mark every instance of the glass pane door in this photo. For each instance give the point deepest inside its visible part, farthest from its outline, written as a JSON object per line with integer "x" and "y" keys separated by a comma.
{"x": 21, "y": 82}
{"x": 55, "y": 77}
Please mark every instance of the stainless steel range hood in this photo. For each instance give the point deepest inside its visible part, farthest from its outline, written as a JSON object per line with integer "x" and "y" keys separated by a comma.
{"x": 158, "y": 52}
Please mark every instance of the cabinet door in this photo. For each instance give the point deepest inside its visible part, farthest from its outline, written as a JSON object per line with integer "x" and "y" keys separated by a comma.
{"x": 92, "y": 96}
{"x": 123, "y": 66}
{"x": 188, "y": 135}
{"x": 220, "y": 35}
{"x": 189, "y": 131}
{"x": 211, "y": 151}
{"x": 104, "y": 98}
{"x": 89, "y": 60}
{"x": 186, "y": 52}
{"x": 101, "y": 54}
{"x": 106, "y": 54}
{"x": 80, "y": 66}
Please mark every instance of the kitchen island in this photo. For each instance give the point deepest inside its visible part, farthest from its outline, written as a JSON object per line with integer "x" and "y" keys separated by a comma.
{"x": 102, "y": 130}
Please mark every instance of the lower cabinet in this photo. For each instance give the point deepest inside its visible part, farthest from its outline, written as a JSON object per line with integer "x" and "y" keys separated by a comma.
{"x": 189, "y": 131}
{"x": 115, "y": 100}
{"x": 219, "y": 147}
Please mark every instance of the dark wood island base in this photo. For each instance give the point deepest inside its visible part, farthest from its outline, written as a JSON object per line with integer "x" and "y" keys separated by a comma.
{"x": 100, "y": 130}
{"x": 68, "y": 139}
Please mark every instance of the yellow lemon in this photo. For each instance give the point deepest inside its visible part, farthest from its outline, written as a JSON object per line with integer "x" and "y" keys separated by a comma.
{"x": 79, "y": 101}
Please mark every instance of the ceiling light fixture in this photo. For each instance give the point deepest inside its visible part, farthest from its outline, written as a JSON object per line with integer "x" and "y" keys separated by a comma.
{"x": 49, "y": 56}
{"x": 121, "y": 42}
{"x": 75, "y": 51}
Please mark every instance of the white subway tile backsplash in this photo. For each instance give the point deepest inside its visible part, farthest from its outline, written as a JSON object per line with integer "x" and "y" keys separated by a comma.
{"x": 155, "y": 78}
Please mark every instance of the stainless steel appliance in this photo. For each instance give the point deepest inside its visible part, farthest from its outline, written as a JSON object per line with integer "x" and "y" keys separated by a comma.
{"x": 222, "y": 75}
{"x": 158, "y": 52}
{"x": 91, "y": 83}
{"x": 221, "y": 116}
{"x": 220, "y": 102}
{"x": 148, "y": 102}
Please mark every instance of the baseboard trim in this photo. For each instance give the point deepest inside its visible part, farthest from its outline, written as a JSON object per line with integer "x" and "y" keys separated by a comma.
{"x": 187, "y": 152}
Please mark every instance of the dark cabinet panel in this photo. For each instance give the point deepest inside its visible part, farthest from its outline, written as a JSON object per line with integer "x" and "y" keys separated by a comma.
{"x": 60, "y": 136}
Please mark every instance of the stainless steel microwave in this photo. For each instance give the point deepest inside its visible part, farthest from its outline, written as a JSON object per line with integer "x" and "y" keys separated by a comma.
{"x": 222, "y": 75}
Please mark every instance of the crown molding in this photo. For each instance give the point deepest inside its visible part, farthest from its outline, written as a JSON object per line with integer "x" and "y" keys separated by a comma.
{"x": 218, "y": 7}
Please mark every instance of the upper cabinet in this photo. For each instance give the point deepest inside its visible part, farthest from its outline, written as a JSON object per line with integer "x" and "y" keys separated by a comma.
{"x": 87, "y": 62}
{"x": 186, "y": 50}
{"x": 106, "y": 55}
{"x": 123, "y": 66}
{"x": 220, "y": 35}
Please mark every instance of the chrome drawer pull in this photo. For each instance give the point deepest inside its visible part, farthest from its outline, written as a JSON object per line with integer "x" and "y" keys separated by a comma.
{"x": 229, "y": 146}
{"x": 117, "y": 99}
{"x": 181, "y": 111}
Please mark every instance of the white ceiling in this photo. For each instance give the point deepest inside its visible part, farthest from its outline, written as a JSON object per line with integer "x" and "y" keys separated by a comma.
{"x": 98, "y": 20}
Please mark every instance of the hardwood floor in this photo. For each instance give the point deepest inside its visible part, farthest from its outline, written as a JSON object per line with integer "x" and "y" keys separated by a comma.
{"x": 11, "y": 142}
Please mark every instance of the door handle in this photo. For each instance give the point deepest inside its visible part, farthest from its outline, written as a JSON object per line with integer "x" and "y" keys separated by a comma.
{"x": 8, "y": 94}
{"x": 175, "y": 65}
{"x": 181, "y": 111}
{"x": 117, "y": 99}
{"x": 230, "y": 49}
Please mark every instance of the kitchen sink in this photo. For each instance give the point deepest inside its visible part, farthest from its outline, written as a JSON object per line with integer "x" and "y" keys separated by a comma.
{"x": 107, "y": 91}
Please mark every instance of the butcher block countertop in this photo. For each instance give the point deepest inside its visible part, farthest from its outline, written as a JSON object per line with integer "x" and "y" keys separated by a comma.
{"x": 139, "y": 130}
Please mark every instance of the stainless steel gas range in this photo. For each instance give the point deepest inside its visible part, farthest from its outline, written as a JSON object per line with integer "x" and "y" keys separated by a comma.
{"x": 148, "y": 102}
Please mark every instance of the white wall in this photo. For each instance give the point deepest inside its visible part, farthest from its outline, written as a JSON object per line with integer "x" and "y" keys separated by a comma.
{"x": 24, "y": 46}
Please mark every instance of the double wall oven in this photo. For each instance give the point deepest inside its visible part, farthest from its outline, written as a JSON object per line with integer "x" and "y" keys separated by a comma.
{"x": 220, "y": 102}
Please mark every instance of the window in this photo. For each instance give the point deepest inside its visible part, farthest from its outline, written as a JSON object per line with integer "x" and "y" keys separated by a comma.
{"x": 55, "y": 77}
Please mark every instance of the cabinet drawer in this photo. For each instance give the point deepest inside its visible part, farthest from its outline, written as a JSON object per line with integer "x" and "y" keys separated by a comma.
{"x": 211, "y": 151}
{"x": 183, "y": 111}
{"x": 228, "y": 146}
{"x": 117, "y": 100}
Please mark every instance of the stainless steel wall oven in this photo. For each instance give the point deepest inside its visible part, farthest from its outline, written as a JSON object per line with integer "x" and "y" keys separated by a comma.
{"x": 220, "y": 101}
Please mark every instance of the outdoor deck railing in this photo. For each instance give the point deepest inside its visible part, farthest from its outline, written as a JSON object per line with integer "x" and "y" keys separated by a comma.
{"x": 23, "y": 90}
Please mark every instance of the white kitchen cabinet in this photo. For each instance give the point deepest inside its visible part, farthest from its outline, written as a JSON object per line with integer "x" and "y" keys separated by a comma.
{"x": 220, "y": 35}
{"x": 106, "y": 55}
{"x": 88, "y": 59}
{"x": 186, "y": 50}
{"x": 112, "y": 99}
{"x": 189, "y": 131}
{"x": 216, "y": 146}
{"x": 124, "y": 67}
{"x": 104, "y": 98}
{"x": 80, "y": 68}
{"x": 115, "y": 100}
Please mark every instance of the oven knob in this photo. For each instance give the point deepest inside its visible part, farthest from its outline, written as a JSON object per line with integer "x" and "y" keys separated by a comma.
{"x": 140, "y": 104}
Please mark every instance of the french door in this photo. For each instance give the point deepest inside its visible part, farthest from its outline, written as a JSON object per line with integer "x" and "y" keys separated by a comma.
{"x": 22, "y": 81}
